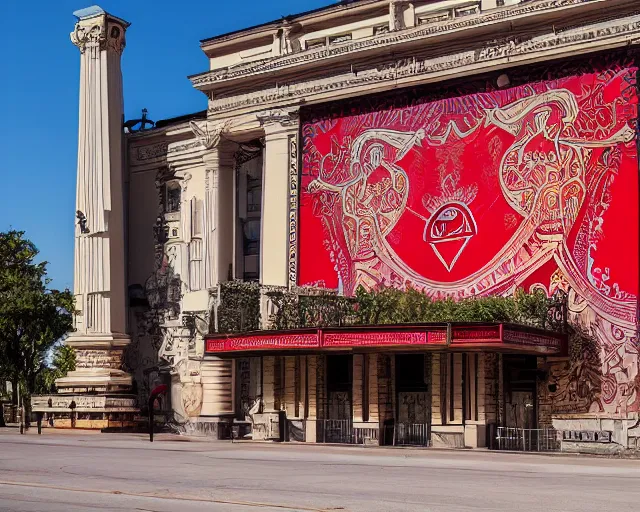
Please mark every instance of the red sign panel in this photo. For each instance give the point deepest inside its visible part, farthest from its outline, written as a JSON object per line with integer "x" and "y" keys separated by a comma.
{"x": 477, "y": 334}
{"x": 373, "y": 339}
{"x": 359, "y": 337}
{"x": 264, "y": 342}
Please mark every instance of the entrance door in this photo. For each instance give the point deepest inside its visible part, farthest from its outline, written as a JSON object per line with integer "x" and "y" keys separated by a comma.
{"x": 413, "y": 410}
{"x": 520, "y": 391}
{"x": 338, "y": 425}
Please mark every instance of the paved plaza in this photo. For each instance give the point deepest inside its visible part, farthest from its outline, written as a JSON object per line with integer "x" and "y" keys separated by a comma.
{"x": 85, "y": 471}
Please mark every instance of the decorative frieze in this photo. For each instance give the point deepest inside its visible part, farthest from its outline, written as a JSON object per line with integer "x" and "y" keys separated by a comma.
{"x": 284, "y": 116}
{"x": 625, "y": 30}
{"x": 163, "y": 149}
{"x": 99, "y": 359}
{"x": 383, "y": 40}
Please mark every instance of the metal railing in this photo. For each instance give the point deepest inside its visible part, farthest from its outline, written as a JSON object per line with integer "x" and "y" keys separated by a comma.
{"x": 336, "y": 431}
{"x": 343, "y": 432}
{"x": 365, "y": 435}
{"x": 411, "y": 434}
{"x": 527, "y": 439}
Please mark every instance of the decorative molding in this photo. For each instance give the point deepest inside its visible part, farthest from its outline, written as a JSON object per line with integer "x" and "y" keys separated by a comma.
{"x": 282, "y": 116}
{"x": 162, "y": 149}
{"x": 625, "y": 29}
{"x": 293, "y": 210}
{"x": 381, "y": 41}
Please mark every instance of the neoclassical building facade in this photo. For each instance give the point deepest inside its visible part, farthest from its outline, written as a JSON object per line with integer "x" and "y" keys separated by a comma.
{"x": 461, "y": 148}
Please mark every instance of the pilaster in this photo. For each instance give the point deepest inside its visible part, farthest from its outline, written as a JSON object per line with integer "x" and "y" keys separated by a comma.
{"x": 218, "y": 213}
{"x": 278, "y": 254}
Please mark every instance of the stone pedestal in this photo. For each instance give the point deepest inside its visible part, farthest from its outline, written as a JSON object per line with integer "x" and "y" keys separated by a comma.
{"x": 100, "y": 322}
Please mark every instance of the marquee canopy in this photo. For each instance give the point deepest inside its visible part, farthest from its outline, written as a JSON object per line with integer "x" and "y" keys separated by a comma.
{"x": 438, "y": 337}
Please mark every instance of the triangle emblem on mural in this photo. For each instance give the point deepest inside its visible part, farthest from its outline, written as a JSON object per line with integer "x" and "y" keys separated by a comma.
{"x": 448, "y": 251}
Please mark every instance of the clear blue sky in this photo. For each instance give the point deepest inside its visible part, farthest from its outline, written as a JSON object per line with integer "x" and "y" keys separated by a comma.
{"x": 39, "y": 96}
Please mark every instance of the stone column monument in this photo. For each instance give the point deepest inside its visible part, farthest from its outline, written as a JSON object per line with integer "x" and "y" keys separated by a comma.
{"x": 98, "y": 389}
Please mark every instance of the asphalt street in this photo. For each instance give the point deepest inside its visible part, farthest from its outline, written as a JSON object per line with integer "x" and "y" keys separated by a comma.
{"x": 88, "y": 472}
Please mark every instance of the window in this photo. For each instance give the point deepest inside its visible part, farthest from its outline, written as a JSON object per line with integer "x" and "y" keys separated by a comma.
{"x": 172, "y": 197}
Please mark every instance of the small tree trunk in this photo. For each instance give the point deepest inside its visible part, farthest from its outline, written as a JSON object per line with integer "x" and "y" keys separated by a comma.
{"x": 27, "y": 410}
{"x": 14, "y": 391}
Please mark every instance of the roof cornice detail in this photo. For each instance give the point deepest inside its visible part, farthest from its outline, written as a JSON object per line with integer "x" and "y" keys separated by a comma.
{"x": 377, "y": 77}
{"x": 210, "y": 79}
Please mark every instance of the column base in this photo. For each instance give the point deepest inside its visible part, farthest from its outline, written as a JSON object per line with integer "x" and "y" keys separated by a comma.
{"x": 94, "y": 412}
{"x": 215, "y": 427}
{"x": 98, "y": 380}
{"x": 98, "y": 362}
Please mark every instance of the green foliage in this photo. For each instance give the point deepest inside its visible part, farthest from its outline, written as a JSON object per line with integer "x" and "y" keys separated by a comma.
{"x": 239, "y": 309}
{"x": 313, "y": 308}
{"x": 392, "y": 306}
{"x": 63, "y": 361}
{"x": 32, "y": 317}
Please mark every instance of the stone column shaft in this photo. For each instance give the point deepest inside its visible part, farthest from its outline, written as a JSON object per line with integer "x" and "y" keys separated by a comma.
{"x": 100, "y": 253}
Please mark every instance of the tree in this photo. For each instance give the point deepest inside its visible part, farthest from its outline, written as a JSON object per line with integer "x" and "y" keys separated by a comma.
{"x": 33, "y": 318}
{"x": 63, "y": 361}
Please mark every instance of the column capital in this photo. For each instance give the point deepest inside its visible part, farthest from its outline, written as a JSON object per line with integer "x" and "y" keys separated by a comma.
{"x": 97, "y": 28}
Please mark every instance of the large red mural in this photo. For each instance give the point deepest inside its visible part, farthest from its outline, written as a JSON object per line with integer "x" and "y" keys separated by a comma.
{"x": 535, "y": 186}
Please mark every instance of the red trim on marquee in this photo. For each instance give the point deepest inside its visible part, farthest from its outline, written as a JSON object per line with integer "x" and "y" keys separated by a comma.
{"x": 463, "y": 336}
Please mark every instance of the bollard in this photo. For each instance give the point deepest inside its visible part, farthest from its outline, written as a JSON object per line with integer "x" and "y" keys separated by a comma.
{"x": 72, "y": 406}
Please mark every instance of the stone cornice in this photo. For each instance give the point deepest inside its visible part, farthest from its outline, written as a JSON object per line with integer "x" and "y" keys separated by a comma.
{"x": 211, "y": 79}
{"x": 507, "y": 52}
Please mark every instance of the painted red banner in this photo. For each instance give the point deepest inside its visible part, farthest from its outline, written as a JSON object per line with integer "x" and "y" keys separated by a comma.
{"x": 534, "y": 186}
